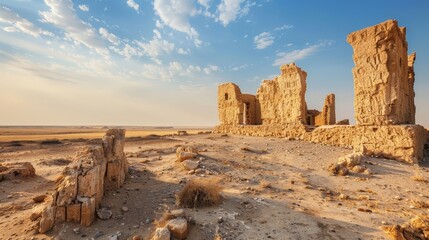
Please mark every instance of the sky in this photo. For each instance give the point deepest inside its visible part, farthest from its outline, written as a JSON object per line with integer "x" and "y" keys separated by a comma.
{"x": 158, "y": 63}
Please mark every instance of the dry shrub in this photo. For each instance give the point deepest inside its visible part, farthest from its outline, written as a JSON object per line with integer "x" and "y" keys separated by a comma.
{"x": 200, "y": 193}
{"x": 419, "y": 178}
{"x": 217, "y": 237}
{"x": 161, "y": 222}
{"x": 420, "y": 204}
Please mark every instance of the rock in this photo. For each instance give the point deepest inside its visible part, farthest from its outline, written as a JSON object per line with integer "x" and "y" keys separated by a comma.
{"x": 190, "y": 172}
{"x": 200, "y": 171}
{"x": 137, "y": 237}
{"x": 14, "y": 170}
{"x": 183, "y": 153}
{"x": 220, "y": 219}
{"x": 178, "y": 213}
{"x": 124, "y": 209}
{"x": 87, "y": 212}
{"x": 98, "y": 234}
{"x": 89, "y": 184}
{"x": 48, "y": 219}
{"x": 67, "y": 190}
{"x": 368, "y": 171}
{"x": 104, "y": 213}
{"x": 358, "y": 169}
{"x": 37, "y": 212}
{"x": 350, "y": 160}
{"x": 39, "y": 199}
{"x": 161, "y": 234}
{"x": 190, "y": 165}
{"x": 178, "y": 227}
{"x": 343, "y": 122}
{"x": 76, "y": 230}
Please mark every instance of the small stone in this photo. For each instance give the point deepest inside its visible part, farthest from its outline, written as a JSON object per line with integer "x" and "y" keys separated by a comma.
{"x": 161, "y": 234}
{"x": 220, "y": 219}
{"x": 178, "y": 213}
{"x": 137, "y": 237}
{"x": 76, "y": 230}
{"x": 98, "y": 234}
{"x": 39, "y": 199}
{"x": 104, "y": 213}
{"x": 178, "y": 227}
{"x": 190, "y": 172}
{"x": 124, "y": 209}
{"x": 190, "y": 165}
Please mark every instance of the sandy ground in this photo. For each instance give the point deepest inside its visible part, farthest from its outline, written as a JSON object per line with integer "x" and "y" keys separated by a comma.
{"x": 273, "y": 189}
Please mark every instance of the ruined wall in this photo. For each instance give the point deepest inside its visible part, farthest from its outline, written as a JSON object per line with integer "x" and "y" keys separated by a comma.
{"x": 249, "y": 106}
{"x": 382, "y": 92}
{"x": 229, "y": 105}
{"x": 400, "y": 142}
{"x": 327, "y": 116}
{"x": 82, "y": 184}
{"x": 282, "y": 100}
{"x": 412, "y": 107}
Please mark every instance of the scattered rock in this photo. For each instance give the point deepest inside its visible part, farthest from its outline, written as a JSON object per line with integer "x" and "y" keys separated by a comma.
{"x": 104, "y": 213}
{"x": 178, "y": 213}
{"x": 161, "y": 234}
{"x": 178, "y": 227}
{"x": 10, "y": 171}
{"x": 47, "y": 220}
{"x": 39, "y": 199}
{"x": 124, "y": 209}
{"x": 190, "y": 165}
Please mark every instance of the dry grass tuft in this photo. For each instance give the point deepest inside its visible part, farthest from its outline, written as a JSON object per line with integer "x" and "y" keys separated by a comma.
{"x": 419, "y": 178}
{"x": 200, "y": 193}
{"x": 161, "y": 222}
{"x": 217, "y": 237}
{"x": 420, "y": 204}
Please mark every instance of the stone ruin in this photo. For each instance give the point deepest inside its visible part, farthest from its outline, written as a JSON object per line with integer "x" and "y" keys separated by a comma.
{"x": 81, "y": 186}
{"x": 383, "y": 102}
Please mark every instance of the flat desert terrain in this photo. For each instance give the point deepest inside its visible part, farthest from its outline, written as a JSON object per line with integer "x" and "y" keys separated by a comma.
{"x": 272, "y": 188}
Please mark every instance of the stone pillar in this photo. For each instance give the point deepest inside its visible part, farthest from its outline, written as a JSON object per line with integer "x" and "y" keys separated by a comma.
{"x": 328, "y": 110}
{"x": 382, "y": 89}
{"x": 412, "y": 107}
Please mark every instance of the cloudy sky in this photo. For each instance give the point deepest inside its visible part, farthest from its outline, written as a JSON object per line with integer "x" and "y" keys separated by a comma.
{"x": 141, "y": 62}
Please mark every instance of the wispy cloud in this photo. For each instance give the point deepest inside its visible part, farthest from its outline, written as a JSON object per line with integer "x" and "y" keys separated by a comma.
{"x": 182, "y": 51}
{"x": 283, "y": 27}
{"x": 230, "y": 10}
{"x": 109, "y": 36}
{"x": 84, "y": 8}
{"x": 19, "y": 24}
{"x": 263, "y": 40}
{"x": 63, "y": 16}
{"x": 176, "y": 14}
{"x": 133, "y": 5}
{"x": 292, "y": 56}
{"x": 156, "y": 46}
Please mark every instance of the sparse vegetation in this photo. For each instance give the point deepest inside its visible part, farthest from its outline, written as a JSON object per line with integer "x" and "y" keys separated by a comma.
{"x": 200, "y": 193}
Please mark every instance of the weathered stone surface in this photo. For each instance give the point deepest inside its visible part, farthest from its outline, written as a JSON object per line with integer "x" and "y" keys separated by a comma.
{"x": 383, "y": 93}
{"x": 87, "y": 215}
{"x": 39, "y": 199}
{"x": 178, "y": 227}
{"x": 60, "y": 214}
{"x": 183, "y": 153}
{"x": 10, "y": 171}
{"x": 48, "y": 219}
{"x": 282, "y": 100}
{"x": 161, "y": 234}
{"x": 67, "y": 190}
{"x": 411, "y": 79}
{"x": 327, "y": 116}
{"x": 36, "y": 212}
{"x": 190, "y": 165}
{"x": 343, "y": 122}
{"x": 115, "y": 175}
{"x": 73, "y": 212}
{"x": 89, "y": 184}
{"x": 401, "y": 142}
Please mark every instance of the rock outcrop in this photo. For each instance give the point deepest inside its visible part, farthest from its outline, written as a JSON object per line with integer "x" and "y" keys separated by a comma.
{"x": 9, "y": 171}
{"x": 82, "y": 184}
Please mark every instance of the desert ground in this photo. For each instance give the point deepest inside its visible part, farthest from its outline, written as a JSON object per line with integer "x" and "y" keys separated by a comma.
{"x": 272, "y": 188}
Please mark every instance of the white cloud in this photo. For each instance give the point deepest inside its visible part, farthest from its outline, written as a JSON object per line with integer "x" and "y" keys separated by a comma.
{"x": 230, "y": 10}
{"x": 176, "y": 14}
{"x": 20, "y": 24}
{"x": 159, "y": 24}
{"x": 290, "y": 44}
{"x": 84, "y": 8}
{"x": 205, "y": 3}
{"x": 292, "y": 56}
{"x": 63, "y": 16}
{"x": 239, "y": 67}
{"x": 210, "y": 68}
{"x": 183, "y": 51}
{"x": 263, "y": 40}
{"x": 284, "y": 27}
{"x": 109, "y": 36}
{"x": 133, "y": 4}
{"x": 157, "y": 46}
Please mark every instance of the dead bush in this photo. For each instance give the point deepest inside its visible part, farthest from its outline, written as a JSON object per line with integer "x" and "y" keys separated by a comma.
{"x": 200, "y": 193}
{"x": 161, "y": 222}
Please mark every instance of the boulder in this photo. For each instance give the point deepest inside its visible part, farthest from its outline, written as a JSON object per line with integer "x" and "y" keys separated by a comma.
{"x": 190, "y": 165}
{"x": 104, "y": 213}
{"x": 161, "y": 234}
{"x": 178, "y": 227}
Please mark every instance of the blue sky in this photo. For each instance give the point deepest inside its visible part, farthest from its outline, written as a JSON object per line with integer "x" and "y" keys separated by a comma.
{"x": 140, "y": 62}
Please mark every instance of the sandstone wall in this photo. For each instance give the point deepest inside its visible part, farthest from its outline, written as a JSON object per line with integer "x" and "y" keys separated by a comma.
{"x": 82, "y": 185}
{"x": 382, "y": 91}
{"x": 400, "y": 142}
{"x": 327, "y": 116}
{"x": 282, "y": 100}
{"x": 412, "y": 107}
{"x": 230, "y": 108}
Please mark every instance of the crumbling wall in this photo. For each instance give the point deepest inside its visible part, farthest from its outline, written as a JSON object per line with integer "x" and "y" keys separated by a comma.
{"x": 229, "y": 105}
{"x": 411, "y": 107}
{"x": 249, "y": 105}
{"x": 327, "y": 116}
{"x": 81, "y": 186}
{"x": 382, "y": 89}
{"x": 282, "y": 100}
